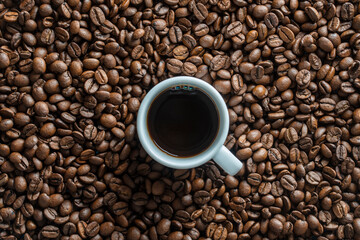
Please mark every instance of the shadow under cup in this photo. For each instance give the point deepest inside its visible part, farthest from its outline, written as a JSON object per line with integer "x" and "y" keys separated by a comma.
{"x": 183, "y": 121}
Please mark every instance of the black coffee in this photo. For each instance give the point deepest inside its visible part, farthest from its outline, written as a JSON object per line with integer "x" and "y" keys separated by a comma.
{"x": 183, "y": 121}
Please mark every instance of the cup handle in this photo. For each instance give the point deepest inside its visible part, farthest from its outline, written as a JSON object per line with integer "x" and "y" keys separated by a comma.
{"x": 227, "y": 161}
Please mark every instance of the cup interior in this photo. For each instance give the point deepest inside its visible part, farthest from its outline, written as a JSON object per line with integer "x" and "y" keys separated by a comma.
{"x": 183, "y": 121}
{"x": 182, "y": 162}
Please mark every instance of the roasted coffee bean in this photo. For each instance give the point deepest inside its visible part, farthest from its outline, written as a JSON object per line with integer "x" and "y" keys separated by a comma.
{"x": 90, "y": 132}
{"x": 286, "y": 34}
{"x": 11, "y": 16}
{"x": 234, "y": 28}
{"x": 92, "y": 229}
{"x": 208, "y": 214}
{"x": 264, "y": 188}
{"x": 50, "y": 214}
{"x": 47, "y": 36}
{"x": 303, "y": 78}
{"x": 97, "y": 16}
{"x": 254, "y": 179}
{"x": 313, "y": 178}
{"x": 50, "y": 231}
{"x": 201, "y": 197}
{"x": 174, "y": 66}
{"x": 271, "y": 20}
{"x": 219, "y": 62}
{"x": 291, "y": 136}
{"x": 4, "y": 59}
{"x": 288, "y": 182}
{"x": 200, "y": 11}
{"x": 274, "y": 155}
{"x": 213, "y": 172}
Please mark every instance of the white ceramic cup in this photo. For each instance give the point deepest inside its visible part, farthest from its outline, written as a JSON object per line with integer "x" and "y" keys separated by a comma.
{"x": 217, "y": 151}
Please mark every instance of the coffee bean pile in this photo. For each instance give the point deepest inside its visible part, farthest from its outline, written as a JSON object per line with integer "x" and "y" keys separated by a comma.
{"x": 72, "y": 77}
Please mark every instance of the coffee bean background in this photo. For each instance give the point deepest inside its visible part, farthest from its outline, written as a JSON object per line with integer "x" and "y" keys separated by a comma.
{"x": 72, "y": 77}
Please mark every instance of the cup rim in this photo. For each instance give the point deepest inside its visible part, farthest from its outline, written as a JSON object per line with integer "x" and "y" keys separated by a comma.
{"x": 182, "y": 162}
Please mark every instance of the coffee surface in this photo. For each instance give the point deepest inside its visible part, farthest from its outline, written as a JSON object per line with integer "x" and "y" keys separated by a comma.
{"x": 183, "y": 122}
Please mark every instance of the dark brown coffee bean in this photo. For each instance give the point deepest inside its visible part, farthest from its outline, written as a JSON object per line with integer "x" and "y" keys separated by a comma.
{"x": 340, "y": 209}
{"x": 11, "y": 16}
{"x": 313, "y": 178}
{"x": 327, "y": 104}
{"x": 286, "y": 34}
{"x": 254, "y": 179}
{"x": 189, "y": 69}
{"x": 325, "y": 44}
{"x": 159, "y": 24}
{"x": 97, "y": 16}
{"x": 274, "y": 41}
{"x": 92, "y": 229}
{"x": 201, "y": 30}
{"x": 333, "y": 134}
{"x": 90, "y": 132}
{"x": 181, "y": 52}
{"x": 220, "y": 233}
{"x": 347, "y": 11}
{"x": 48, "y": 36}
{"x": 39, "y": 65}
{"x": 200, "y": 11}
{"x": 163, "y": 226}
{"x": 341, "y": 152}
{"x": 276, "y": 226}
{"x": 65, "y": 10}
{"x": 50, "y": 231}
{"x": 119, "y": 208}
{"x": 62, "y": 34}
{"x": 291, "y": 135}
{"x": 264, "y": 188}
{"x": 201, "y": 197}
{"x": 4, "y": 60}
{"x": 234, "y": 28}
{"x": 257, "y": 72}
{"x": 300, "y": 227}
{"x": 288, "y": 182}
{"x": 74, "y": 50}
{"x": 137, "y": 52}
{"x": 303, "y": 78}
{"x": 174, "y": 66}
{"x": 140, "y": 198}
{"x": 67, "y": 142}
{"x": 50, "y": 214}
{"x": 208, "y": 214}
{"x": 274, "y": 155}
{"x": 219, "y": 62}
{"x": 312, "y": 13}
{"x": 271, "y": 20}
